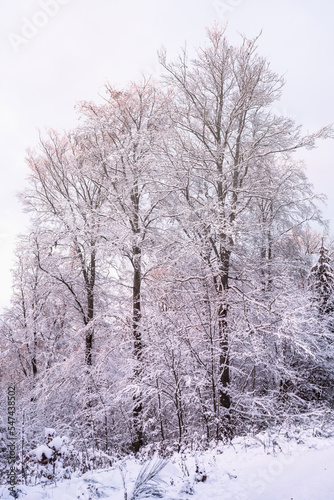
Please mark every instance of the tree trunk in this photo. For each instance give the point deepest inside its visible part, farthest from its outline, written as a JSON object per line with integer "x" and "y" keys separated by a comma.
{"x": 90, "y": 283}
{"x": 138, "y": 349}
{"x": 34, "y": 359}
{"x": 224, "y": 359}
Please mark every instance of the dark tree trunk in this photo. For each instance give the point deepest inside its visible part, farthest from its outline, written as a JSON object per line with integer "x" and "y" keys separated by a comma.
{"x": 89, "y": 347}
{"x": 90, "y": 332}
{"x": 138, "y": 349}
{"x": 34, "y": 360}
{"x": 224, "y": 359}
{"x": 136, "y": 319}
{"x": 90, "y": 283}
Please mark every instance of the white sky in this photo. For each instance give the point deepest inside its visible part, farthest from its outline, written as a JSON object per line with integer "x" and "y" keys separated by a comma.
{"x": 87, "y": 42}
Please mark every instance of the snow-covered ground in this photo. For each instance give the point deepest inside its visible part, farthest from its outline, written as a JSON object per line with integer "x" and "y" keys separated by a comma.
{"x": 298, "y": 466}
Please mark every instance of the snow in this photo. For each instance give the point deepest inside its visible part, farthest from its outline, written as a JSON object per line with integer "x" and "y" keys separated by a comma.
{"x": 264, "y": 467}
{"x": 43, "y": 449}
{"x": 56, "y": 443}
{"x": 49, "y": 432}
{"x": 310, "y": 478}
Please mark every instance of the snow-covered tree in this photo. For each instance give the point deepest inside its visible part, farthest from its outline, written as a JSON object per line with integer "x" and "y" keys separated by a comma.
{"x": 225, "y": 155}
{"x": 322, "y": 282}
{"x": 161, "y": 293}
{"x": 125, "y": 133}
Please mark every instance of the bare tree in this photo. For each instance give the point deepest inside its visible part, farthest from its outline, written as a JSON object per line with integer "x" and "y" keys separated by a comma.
{"x": 126, "y": 133}
{"x": 225, "y": 136}
{"x": 67, "y": 207}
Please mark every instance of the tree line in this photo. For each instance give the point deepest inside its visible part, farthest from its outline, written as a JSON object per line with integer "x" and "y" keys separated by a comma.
{"x": 164, "y": 292}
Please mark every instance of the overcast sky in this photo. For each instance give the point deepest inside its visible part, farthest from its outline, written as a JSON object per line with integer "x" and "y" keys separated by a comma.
{"x": 55, "y": 53}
